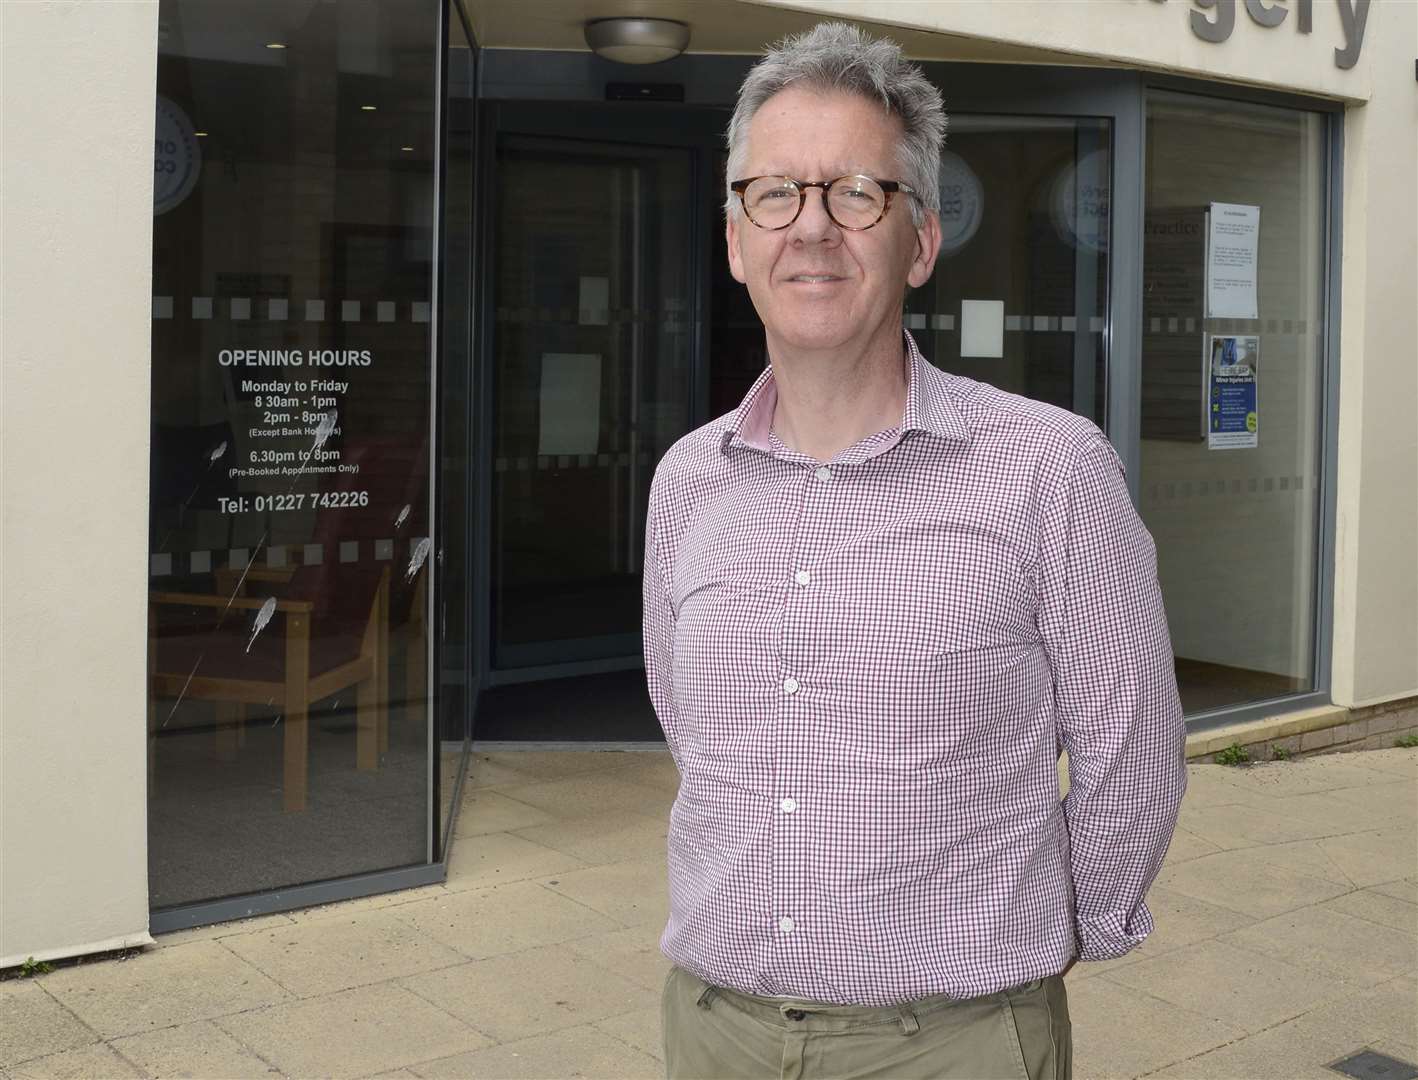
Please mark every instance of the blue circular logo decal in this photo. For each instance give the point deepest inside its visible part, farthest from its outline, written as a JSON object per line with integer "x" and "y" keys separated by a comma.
{"x": 177, "y": 160}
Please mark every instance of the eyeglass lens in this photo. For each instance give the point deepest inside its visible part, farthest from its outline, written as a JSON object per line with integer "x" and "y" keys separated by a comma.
{"x": 854, "y": 202}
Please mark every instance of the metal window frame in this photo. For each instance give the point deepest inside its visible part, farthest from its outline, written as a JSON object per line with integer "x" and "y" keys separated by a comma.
{"x": 435, "y": 869}
{"x": 1330, "y": 284}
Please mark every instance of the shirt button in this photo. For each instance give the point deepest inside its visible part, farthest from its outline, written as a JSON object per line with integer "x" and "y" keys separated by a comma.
{"x": 790, "y": 685}
{"x": 788, "y": 805}
{"x": 802, "y": 577}
{"x": 824, "y": 474}
{"x": 786, "y": 925}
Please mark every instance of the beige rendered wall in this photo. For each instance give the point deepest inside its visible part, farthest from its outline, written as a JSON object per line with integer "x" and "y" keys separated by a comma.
{"x": 1375, "y": 625}
{"x": 76, "y": 142}
{"x": 1376, "y": 578}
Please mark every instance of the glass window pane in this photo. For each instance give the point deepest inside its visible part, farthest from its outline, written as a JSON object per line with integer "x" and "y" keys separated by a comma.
{"x": 290, "y": 519}
{"x": 1229, "y": 483}
{"x": 591, "y": 386}
{"x": 1019, "y": 298}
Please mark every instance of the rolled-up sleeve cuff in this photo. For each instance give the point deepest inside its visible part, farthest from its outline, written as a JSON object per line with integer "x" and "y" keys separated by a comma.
{"x": 1108, "y": 936}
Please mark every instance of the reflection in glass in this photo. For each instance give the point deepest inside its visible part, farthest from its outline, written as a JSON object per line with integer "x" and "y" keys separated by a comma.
{"x": 290, "y": 524}
{"x": 592, "y": 349}
{"x": 1025, "y": 224}
{"x": 1236, "y": 529}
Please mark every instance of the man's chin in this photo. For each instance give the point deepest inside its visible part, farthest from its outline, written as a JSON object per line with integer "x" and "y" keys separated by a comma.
{"x": 820, "y": 336}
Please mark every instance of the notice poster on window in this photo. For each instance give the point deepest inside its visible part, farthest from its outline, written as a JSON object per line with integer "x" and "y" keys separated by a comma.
{"x": 1232, "y": 367}
{"x": 1232, "y": 255}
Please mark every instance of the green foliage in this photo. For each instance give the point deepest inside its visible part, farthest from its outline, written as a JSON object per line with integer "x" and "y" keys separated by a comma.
{"x": 1407, "y": 740}
{"x": 1279, "y": 753}
{"x": 1235, "y": 754}
{"x": 32, "y": 967}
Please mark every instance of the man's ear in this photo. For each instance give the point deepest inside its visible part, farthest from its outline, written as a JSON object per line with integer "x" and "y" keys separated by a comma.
{"x": 927, "y": 248}
{"x": 731, "y": 239}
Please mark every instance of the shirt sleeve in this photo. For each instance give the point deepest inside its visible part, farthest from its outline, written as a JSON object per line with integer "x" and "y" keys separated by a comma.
{"x": 1115, "y": 693}
{"x": 659, "y": 634}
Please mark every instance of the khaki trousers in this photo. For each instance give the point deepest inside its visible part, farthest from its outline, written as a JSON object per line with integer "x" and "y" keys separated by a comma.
{"x": 716, "y": 1034}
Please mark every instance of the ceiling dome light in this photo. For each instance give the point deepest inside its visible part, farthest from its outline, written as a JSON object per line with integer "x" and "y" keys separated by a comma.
{"x": 275, "y": 45}
{"x": 637, "y": 41}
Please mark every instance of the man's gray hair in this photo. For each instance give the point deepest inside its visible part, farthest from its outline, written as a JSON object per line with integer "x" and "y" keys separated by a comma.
{"x": 839, "y": 57}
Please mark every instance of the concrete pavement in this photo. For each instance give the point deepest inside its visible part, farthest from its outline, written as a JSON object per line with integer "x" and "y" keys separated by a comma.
{"x": 1287, "y": 938}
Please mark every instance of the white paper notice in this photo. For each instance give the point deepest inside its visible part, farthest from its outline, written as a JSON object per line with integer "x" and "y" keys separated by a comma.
{"x": 570, "y": 404}
{"x": 1232, "y": 247}
{"x": 593, "y": 305}
{"x": 982, "y": 328}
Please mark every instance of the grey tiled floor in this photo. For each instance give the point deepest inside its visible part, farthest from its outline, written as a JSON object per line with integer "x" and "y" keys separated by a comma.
{"x": 1287, "y": 938}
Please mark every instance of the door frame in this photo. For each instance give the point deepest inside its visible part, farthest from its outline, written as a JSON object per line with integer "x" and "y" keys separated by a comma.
{"x": 1095, "y": 93}
{"x": 696, "y": 129}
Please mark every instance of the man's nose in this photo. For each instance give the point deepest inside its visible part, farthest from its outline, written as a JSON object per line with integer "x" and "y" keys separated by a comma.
{"x": 814, "y": 223}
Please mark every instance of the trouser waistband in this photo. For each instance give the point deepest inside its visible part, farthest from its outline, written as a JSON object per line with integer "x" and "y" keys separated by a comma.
{"x": 806, "y": 1015}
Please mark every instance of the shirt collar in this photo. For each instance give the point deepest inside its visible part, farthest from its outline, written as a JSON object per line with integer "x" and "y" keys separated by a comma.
{"x": 928, "y": 406}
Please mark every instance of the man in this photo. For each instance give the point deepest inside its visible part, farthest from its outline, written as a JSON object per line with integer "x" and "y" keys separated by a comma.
{"x": 879, "y": 600}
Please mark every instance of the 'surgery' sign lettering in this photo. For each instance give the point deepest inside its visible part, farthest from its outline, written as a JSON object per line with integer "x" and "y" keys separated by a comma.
{"x": 1353, "y": 16}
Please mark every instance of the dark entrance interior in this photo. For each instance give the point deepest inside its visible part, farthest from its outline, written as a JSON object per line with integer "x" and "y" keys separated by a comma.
{"x": 610, "y": 328}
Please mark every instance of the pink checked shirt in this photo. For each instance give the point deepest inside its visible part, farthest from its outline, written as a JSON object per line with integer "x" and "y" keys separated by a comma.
{"x": 866, "y": 670}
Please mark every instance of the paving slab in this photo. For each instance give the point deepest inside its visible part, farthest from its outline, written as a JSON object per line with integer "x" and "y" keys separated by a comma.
{"x": 326, "y": 955}
{"x": 1118, "y": 1032}
{"x": 84, "y": 1063}
{"x": 516, "y": 767}
{"x": 1247, "y": 826}
{"x": 655, "y": 769}
{"x": 1305, "y": 775}
{"x": 489, "y": 922}
{"x": 1331, "y": 944}
{"x": 477, "y": 862}
{"x": 631, "y": 893}
{"x": 353, "y": 1033}
{"x": 1375, "y": 858}
{"x": 579, "y": 1052}
{"x": 1388, "y": 1011}
{"x": 1186, "y": 846}
{"x": 192, "y": 1050}
{"x": 1211, "y": 785}
{"x": 161, "y": 988}
{"x": 1376, "y": 906}
{"x": 1300, "y": 1049}
{"x": 36, "y": 1025}
{"x": 1347, "y": 810}
{"x": 487, "y": 811}
{"x": 1242, "y": 882}
{"x": 640, "y": 1029}
{"x": 591, "y": 793}
{"x": 346, "y": 908}
{"x": 633, "y": 953}
{"x": 1229, "y": 983}
{"x": 1401, "y": 761}
{"x": 617, "y": 836}
{"x": 1304, "y": 857}
{"x": 1405, "y": 889}
{"x": 222, "y": 930}
{"x": 530, "y": 993}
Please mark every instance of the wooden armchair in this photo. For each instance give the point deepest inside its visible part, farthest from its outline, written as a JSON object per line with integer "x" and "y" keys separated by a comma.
{"x": 330, "y": 631}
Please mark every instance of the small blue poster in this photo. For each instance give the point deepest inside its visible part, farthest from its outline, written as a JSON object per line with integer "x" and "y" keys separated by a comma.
{"x": 1232, "y": 409}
